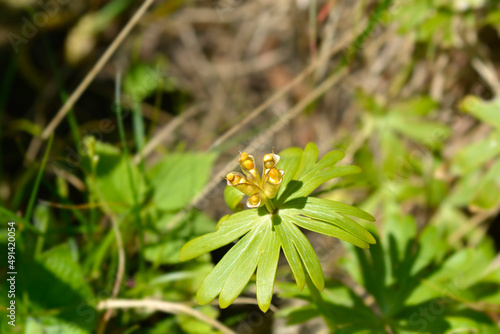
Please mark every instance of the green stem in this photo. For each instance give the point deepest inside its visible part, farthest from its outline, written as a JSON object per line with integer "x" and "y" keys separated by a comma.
{"x": 31, "y": 203}
{"x": 121, "y": 131}
{"x": 270, "y": 206}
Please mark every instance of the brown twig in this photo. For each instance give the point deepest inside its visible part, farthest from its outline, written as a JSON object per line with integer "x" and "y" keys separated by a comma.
{"x": 162, "y": 306}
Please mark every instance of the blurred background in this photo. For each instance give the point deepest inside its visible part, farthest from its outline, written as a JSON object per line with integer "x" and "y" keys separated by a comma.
{"x": 119, "y": 118}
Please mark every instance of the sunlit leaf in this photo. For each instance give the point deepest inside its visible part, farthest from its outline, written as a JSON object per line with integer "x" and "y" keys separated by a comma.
{"x": 229, "y": 230}
{"x": 187, "y": 173}
{"x": 322, "y": 227}
{"x": 334, "y": 213}
{"x": 307, "y": 179}
{"x": 266, "y": 270}
{"x": 290, "y": 251}
{"x": 307, "y": 254}
{"x": 243, "y": 269}
{"x": 213, "y": 283}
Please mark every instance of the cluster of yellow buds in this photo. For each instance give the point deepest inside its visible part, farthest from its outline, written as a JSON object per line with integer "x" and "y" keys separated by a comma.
{"x": 258, "y": 189}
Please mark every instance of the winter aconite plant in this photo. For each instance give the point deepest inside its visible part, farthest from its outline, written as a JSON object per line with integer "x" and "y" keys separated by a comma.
{"x": 279, "y": 205}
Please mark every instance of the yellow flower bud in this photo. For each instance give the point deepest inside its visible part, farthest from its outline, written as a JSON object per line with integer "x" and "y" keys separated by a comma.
{"x": 270, "y": 160}
{"x": 272, "y": 183}
{"x": 243, "y": 156}
{"x": 247, "y": 164}
{"x": 240, "y": 182}
{"x": 233, "y": 178}
{"x": 254, "y": 201}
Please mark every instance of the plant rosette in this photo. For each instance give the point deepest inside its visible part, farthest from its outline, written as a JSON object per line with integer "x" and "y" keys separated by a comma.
{"x": 278, "y": 205}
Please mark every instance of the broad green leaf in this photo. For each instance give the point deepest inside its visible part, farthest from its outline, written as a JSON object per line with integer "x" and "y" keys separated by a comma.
{"x": 229, "y": 230}
{"x": 243, "y": 269}
{"x": 266, "y": 270}
{"x": 55, "y": 283}
{"x": 112, "y": 182}
{"x": 486, "y": 111}
{"x": 179, "y": 177}
{"x": 322, "y": 227}
{"x": 213, "y": 283}
{"x": 233, "y": 198}
{"x": 307, "y": 254}
{"x": 290, "y": 252}
{"x": 141, "y": 81}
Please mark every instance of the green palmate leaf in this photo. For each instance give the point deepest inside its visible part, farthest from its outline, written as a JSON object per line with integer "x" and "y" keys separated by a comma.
{"x": 266, "y": 270}
{"x": 309, "y": 175}
{"x": 290, "y": 162}
{"x": 333, "y": 213}
{"x": 322, "y": 227}
{"x": 308, "y": 160}
{"x": 243, "y": 269}
{"x": 307, "y": 254}
{"x": 227, "y": 231}
{"x": 274, "y": 226}
{"x": 212, "y": 285}
{"x": 141, "y": 81}
{"x": 314, "y": 179}
{"x": 290, "y": 252}
{"x": 56, "y": 285}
